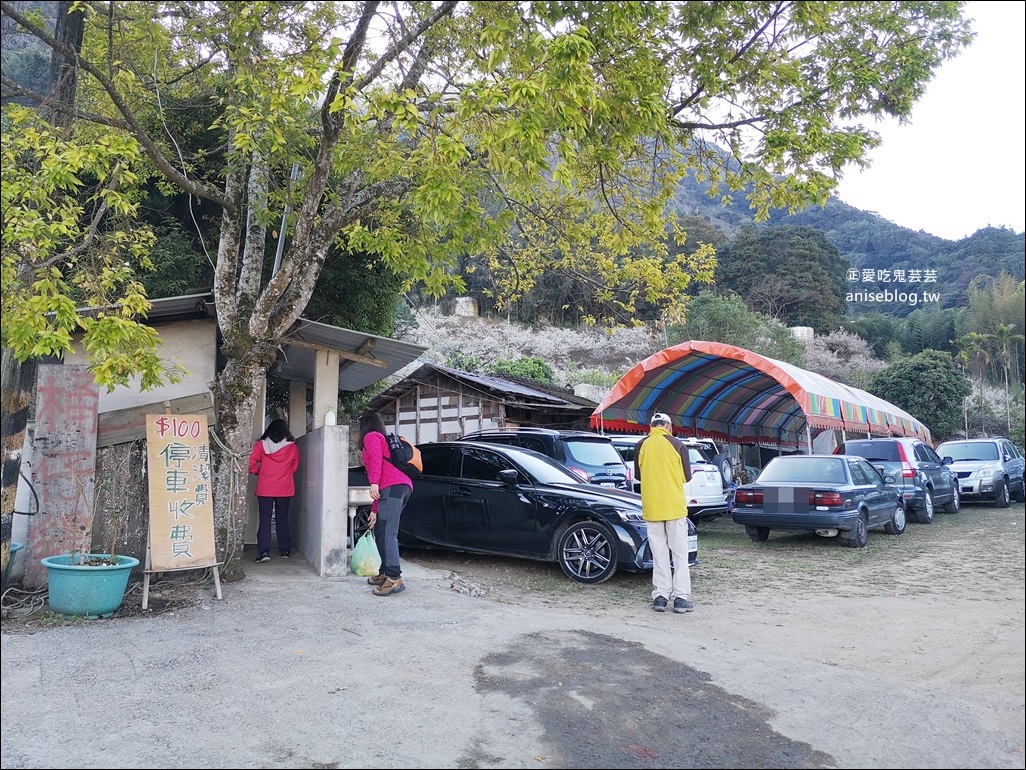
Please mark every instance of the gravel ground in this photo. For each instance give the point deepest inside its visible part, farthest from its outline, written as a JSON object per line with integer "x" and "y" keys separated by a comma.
{"x": 801, "y": 653}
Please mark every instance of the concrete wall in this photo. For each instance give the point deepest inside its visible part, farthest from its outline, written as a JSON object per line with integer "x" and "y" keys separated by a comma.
{"x": 191, "y": 344}
{"x": 321, "y": 507}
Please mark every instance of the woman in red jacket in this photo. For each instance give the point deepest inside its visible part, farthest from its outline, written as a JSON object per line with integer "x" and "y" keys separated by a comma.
{"x": 390, "y": 489}
{"x": 274, "y": 461}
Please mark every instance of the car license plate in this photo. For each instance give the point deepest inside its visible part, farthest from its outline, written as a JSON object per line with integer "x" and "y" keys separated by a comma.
{"x": 608, "y": 484}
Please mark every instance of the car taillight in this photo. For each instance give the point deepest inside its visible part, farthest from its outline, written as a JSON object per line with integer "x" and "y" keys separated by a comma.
{"x": 825, "y": 498}
{"x": 906, "y": 467}
{"x": 748, "y": 496}
{"x": 582, "y": 475}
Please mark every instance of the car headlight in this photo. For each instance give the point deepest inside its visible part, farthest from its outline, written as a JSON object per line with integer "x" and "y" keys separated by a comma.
{"x": 630, "y": 514}
{"x": 988, "y": 472}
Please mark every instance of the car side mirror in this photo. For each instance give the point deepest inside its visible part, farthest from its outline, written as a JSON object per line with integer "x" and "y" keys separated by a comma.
{"x": 948, "y": 460}
{"x": 509, "y": 477}
{"x": 890, "y": 479}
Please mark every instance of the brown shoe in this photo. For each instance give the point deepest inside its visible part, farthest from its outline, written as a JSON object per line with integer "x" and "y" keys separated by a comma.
{"x": 390, "y": 587}
{"x": 377, "y": 579}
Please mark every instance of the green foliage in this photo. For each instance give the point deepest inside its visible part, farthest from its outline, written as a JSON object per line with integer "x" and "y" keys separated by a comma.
{"x": 880, "y": 330}
{"x": 598, "y": 377}
{"x": 70, "y": 241}
{"x": 178, "y": 266}
{"x": 931, "y": 328}
{"x": 791, "y": 273}
{"x": 872, "y": 243}
{"x": 456, "y": 359}
{"x": 715, "y": 317}
{"x": 997, "y": 310}
{"x": 528, "y": 367}
{"x": 929, "y": 387}
{"x": 355, "y": 291}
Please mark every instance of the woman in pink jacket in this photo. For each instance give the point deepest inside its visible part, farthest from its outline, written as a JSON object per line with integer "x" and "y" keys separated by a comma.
{"x": 274, "y": 461}
{"x": 390, "y": 489}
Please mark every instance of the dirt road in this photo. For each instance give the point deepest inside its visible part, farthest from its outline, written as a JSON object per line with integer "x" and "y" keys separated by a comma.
{"x": 943, "y": 603}
{"x": 801, "y": 654}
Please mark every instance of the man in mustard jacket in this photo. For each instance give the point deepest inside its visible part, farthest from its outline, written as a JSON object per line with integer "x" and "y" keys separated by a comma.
{"x": 663, "y": 462}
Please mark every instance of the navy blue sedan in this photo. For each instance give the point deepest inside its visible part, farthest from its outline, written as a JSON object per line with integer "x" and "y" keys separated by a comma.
{"x": 832, "y": 495}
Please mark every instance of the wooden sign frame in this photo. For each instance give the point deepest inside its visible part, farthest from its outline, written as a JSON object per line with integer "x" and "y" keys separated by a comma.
{"x": 181, "y": 523}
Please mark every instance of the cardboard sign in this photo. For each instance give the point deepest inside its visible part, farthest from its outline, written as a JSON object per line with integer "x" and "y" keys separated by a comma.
{"x": 181, "y": 505}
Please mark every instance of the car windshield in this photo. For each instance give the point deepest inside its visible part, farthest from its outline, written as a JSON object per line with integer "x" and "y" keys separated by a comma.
{"x": 696, "y": 455}
{"x": 589, "y": 452}
{"x": 872, "y": 450}
{"x": 969, "y": 450}
{"x": 544, "y": 469}
{"x": 806, "y": 470}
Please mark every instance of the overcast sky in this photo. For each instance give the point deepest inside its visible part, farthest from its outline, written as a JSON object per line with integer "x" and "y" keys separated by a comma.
{"x": 958, "y": 165}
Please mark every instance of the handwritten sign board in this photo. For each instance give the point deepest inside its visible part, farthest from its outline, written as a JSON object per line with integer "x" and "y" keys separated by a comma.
{"x": 181, "y": 506}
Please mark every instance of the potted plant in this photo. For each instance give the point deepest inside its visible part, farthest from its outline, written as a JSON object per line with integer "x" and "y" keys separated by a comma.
{"x": 87, "y": 583}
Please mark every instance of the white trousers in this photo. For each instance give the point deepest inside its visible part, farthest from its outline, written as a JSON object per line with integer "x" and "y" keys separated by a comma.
{"x": 669, "y": 539}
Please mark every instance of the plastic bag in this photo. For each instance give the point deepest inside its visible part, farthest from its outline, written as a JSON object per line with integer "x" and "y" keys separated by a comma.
{"x": 366, "y": 560}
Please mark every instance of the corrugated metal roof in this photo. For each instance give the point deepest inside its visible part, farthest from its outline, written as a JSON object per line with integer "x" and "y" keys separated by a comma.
{"x": 502, "y": 385}
{"x": 298, "y": 361}
{"x": 297, "y": 357}
{"x": 499, "y": 387}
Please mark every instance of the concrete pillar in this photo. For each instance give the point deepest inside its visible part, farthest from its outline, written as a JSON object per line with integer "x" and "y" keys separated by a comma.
{"x": 325, "y": 394}
{"x": 297, "y": 407}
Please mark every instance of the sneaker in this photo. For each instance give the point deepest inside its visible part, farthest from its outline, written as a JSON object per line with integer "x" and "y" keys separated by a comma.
{"x": 263, "y": 557}
{"x": 659, "y": 604}
{"x": 680, "y": 604}
{"x": 377, "y": 579}
{"x": 285, "y": 554}
{"x": 389, "y": 587}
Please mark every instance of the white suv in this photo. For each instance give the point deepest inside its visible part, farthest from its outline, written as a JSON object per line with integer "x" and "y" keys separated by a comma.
{"x": 705, "y": 493}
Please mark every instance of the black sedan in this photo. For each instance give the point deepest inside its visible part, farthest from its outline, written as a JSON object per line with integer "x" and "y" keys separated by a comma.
{"x": 509, "y": 501}
{"x": 832, "y": 495}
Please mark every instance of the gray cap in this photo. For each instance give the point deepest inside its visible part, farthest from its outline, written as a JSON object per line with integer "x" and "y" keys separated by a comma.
{"x": 659, "y": 419}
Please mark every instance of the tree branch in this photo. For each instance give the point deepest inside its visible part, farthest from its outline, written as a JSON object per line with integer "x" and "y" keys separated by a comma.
{"x": 190, "y": 186}
{"x": 404, "y": 42}
{"x": 62, "y": 107}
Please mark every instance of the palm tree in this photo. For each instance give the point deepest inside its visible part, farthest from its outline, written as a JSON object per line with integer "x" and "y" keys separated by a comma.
{"x": 962, "y": 359}
{"x": 974, "y": 347}
{"x": 1004, "y": 338}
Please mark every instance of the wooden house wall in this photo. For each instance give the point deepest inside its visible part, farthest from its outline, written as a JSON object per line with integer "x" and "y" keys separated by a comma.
{"x": 442, "y": 409}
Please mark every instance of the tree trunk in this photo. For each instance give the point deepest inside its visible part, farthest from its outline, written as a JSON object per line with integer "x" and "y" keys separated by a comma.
{"x": 235, "y": 399}
{"x": 16, "y": 393}
{"x": 68, "y": 30}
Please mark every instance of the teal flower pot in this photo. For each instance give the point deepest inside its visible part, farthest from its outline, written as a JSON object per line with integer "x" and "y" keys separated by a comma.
{"x": 15, "y": 547}
{"x": 83, "y": 589}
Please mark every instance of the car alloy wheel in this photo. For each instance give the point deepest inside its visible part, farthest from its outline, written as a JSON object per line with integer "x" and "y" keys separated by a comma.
{"x": 925, "y": 514}
{"x": 860, "y": 536}
{"x": 953, "y": 505}
{"x": 587, "y": 552}
{"x": 361, "y": 522}
{"x": 896, "y": 526}
{"x": 1001, "y": 497}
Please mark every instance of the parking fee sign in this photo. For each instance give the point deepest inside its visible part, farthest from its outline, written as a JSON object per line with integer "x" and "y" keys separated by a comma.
{"x": 181, "y": 507}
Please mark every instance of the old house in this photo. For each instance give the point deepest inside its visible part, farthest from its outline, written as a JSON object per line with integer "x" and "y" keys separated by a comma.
{"x": 437, "y": 403}
{"x": 108, "y": 430}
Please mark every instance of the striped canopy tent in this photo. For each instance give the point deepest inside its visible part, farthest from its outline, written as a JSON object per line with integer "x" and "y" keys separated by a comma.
{"x": 734, "y": 395}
